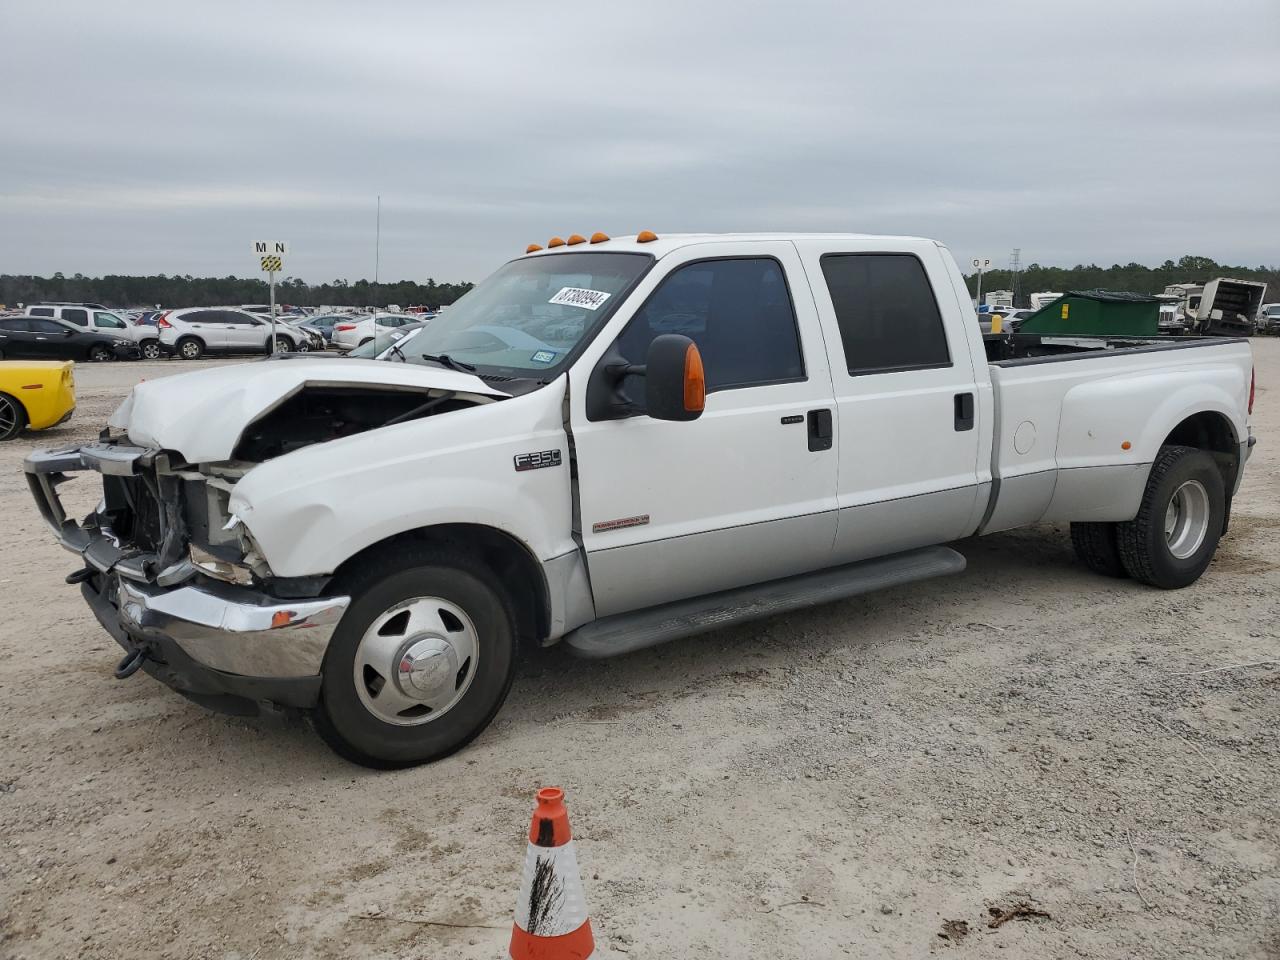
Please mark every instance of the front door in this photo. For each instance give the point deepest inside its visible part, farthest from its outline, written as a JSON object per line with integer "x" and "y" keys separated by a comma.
{"x": 744, "y": 494}
{"x": 245, "y": 333}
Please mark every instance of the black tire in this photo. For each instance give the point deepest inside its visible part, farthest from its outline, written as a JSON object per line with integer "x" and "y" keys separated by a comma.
{"x": 189, "y": 348}
{"x": 1096, "y": 547}
{"x": 151, "y": 350}
{"x": 352, "y": 729}
{"x": 304, "y": 345}
{"x": 283, "y": 345}
{"x": 1, "y": 354}
{"x": 13, "y": 417}
{"x": 100, "y": 353}
{"x": 1144, "y": 547}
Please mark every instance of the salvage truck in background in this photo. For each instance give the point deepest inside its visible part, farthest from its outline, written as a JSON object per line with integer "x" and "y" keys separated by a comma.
{"x": 613, "y": 444}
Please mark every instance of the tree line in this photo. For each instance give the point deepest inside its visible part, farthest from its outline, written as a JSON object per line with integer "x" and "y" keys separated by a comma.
{"x": 1131, "y": 278}
{"x": 188, "y": 291}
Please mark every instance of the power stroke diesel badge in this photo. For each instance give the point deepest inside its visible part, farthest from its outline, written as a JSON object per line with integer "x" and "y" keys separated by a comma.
{"x": 536, "y": 461}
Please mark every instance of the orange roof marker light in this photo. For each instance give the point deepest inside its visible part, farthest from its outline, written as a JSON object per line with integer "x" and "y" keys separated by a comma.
{"x": 646, "y": 236}
{"x": 576, "y": 238}
{"x": 532, "y": 248}
{"x": 555, "y": 242}
{"x": 599, "y": 237}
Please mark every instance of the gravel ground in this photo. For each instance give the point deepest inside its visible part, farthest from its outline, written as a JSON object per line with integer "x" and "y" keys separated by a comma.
{"x": 840, "y": 782}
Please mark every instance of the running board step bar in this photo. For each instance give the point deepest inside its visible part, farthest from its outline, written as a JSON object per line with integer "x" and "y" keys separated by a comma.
{"x": 627, "y": 632}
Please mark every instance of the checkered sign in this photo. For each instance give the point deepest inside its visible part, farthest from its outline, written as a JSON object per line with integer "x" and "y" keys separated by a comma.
{"x": 272, "y": 264}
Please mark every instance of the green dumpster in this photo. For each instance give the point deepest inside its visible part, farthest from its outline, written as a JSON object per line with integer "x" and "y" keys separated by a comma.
{"x": 1097, "y": 313}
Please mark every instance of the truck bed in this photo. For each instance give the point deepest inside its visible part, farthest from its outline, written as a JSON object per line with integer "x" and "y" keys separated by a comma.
{"x": 1079, "y": 420}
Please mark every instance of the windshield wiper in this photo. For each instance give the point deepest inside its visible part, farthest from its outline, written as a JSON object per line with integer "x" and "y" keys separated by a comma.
{"x": 395, "y": 348}
{"x": 447, "y": 361}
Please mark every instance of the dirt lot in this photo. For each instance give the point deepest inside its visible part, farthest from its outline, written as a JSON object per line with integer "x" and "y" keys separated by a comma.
{"x": 835, "y": 783}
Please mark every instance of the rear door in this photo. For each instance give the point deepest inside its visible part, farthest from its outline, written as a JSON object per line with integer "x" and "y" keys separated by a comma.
{"x": 246, "y": 332}
{"x": 744, "y": 494}
{"x": 904, "y": 383}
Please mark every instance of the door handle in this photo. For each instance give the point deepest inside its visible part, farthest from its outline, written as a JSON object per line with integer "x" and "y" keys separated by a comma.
{"x": 964, "y": 411}
{"x": 819, "y": 430}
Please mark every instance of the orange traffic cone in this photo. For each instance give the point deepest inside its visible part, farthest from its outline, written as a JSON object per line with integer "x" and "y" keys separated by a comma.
{"x": 551, "y": 914}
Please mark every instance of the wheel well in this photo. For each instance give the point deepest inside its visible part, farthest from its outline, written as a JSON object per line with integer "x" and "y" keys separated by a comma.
{"x": 516, "y": 567}
{"x": 1213, "y": 433}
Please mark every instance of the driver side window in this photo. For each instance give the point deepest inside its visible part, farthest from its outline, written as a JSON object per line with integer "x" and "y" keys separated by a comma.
{"x": 737, "y": 311}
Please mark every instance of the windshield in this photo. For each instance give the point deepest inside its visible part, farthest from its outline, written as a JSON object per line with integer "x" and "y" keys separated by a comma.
{"x": 529, "y": 317}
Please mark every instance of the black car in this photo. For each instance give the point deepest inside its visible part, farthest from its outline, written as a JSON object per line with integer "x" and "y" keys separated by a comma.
{"x": 38, "y": 338}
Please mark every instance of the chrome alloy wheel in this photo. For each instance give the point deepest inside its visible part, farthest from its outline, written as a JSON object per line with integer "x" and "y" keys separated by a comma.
{"x": 416, "y": 661}
{"x": 1186, "y": 519}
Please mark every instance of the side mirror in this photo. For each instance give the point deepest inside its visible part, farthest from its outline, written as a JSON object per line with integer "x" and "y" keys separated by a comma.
{"x": 675, "y": 386}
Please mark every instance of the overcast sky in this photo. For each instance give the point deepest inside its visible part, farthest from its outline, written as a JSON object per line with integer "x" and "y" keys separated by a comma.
{"x": 166, "y": 137}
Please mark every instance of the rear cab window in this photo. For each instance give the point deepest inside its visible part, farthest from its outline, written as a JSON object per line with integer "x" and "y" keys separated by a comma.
{"x": 886, "y": 311}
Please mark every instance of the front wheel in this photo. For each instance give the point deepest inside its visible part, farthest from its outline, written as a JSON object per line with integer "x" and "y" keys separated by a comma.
{"x": 420, "y": 663}
{"x": 189, "y": 348}
{"x": 1175, "y": 534}
{"x": 100, "y": 354}
{"x": 151, "y": 350}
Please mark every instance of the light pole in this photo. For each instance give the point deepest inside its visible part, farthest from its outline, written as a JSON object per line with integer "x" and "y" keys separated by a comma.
{"x": 980, "y": 265}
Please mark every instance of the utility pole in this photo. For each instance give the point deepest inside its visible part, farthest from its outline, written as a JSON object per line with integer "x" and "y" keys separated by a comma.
{"x": 1015, "y": 266}
{"x": 980, "y": 265}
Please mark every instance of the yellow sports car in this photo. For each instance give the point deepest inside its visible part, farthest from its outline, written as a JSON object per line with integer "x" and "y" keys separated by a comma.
{"x": 35, "y": 394}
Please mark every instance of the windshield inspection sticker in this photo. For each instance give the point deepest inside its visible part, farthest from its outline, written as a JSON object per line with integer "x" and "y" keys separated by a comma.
{"x": 580, "y": 297}
{"x": 543, "y": 356}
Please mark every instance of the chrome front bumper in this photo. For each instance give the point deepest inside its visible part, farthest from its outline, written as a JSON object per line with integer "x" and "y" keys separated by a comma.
{"x": 233, "y": 629}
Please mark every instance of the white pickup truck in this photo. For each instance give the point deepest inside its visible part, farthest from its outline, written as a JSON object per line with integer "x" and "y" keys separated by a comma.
{"x": 612, "y": 444}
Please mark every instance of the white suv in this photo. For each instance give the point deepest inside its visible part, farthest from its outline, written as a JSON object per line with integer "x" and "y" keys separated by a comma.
{"x": 96, "y": 319}
{"x": 195, "y": 331}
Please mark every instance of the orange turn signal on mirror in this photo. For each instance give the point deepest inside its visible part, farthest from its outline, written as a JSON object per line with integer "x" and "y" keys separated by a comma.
{"x": 576, "y": 238}
{"x": 555, "y": 242}
{"x": 695, "y": 381}
{"x": 646, "y": 236}
{"x": 532, "y": 248}
{"x": 599, "y": 237}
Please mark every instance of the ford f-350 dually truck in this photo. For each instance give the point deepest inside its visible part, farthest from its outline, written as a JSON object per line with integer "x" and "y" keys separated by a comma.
{"x": 612, "y": 444}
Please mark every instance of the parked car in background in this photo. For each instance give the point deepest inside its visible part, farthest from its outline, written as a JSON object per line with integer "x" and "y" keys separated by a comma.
{"x": 102, "y": 320}
{"x": 35, "y": 395}
{"x": 146, "y": 318}
{"x": 381, "y": 349}
{"x": 324, "y": 322}
{"x": 1269, "y": 318}
{"x": 360, "y": 330}
{"x": 1009, "y": 319}
{"x": 40, "y": 338}
{"x": 301, "y": 322}
{"x": 195, "y": 331}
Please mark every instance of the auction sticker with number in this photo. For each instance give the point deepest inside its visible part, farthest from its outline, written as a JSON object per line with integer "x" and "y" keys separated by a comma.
{"x": 580, "y": 297}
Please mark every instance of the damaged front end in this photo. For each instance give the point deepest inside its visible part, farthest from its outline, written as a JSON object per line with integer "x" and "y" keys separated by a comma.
{"x": 171, "y": 573}
{"x": 178, "y": 583}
